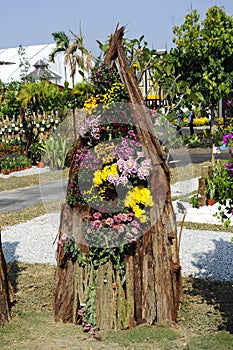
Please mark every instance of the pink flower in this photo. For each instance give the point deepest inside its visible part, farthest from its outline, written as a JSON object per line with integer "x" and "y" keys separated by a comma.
{"x": 135, "y": 223}
{"x": 62, "y": 240}
{"x": 64, "y": 237}
{"x": 113, "y": 179}
{"x": 97, "y": 215}
{"x": 109, "y": 221}
{"x": 123, "y": 180}
{"x": 120, "y": 228}
{"x": 130, "y": 216}
{"x": 96, "y": 223}
{"x": 124, "y": 217}
{"x": 143, "y": 173}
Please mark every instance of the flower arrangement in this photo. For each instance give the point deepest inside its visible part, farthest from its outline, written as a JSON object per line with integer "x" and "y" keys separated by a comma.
{"x": 112, "y": 179}
{"x": 110, "y": 191}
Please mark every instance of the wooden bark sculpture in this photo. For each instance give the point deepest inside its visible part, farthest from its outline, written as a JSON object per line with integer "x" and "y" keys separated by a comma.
{"x": 4, "y": 289}
{"x": 142, "y": 284}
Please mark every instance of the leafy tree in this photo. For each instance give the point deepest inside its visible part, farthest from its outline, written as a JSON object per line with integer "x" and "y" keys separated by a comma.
{"x": 36, "y": 97}
{"x": 203, "y": 53}
{"x": 10, "y": 104}
{"x": 75, "y": 54}
{"x": 39, "y": 96}
{"x": 24, "y": 63}
{"x": 159, "y": 69}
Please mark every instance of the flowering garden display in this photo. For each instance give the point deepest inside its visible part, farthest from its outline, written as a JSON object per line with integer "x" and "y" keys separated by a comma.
{"x": 113, "y": 178}
{"x": 117, "y": 257}
{"x": 111, "y": 185}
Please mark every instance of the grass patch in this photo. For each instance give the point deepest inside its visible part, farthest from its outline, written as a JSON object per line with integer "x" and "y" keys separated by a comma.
{"x": 187, "y": 172}
{"x": 221, "y": 340}
{"x": 14, "y": 218}
{"x": 14, "y": 182}
{"x": 205, "y": 319}
{"x": 207, "y": 227}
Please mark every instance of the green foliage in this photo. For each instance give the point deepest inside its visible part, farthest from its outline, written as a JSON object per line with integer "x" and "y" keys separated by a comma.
{"x": 210, "y": 187}
{"x": 24, "y": 63}
{"x": 39, "y": 96}
{"x": 80, "y": 93}
{"x": 55, "y": 149}
{"x": 9, "y": 164}
{"x": 202, "y": 53}
{"x": 35, "y": 152}
{"x": 10, "y": 105}
{"x": 194, "y": 201}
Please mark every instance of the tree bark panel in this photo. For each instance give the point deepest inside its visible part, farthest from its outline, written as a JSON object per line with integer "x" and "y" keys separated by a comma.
{"x": 4, "y": 289}
{"x": 104, "y": 302}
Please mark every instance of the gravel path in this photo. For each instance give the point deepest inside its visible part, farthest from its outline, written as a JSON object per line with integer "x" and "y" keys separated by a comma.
{"x": 203, "y": 254}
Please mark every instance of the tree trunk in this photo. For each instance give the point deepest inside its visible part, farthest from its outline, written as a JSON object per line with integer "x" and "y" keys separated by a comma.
{"x": 4, "y": 289}
{"x": 151, "y": 291}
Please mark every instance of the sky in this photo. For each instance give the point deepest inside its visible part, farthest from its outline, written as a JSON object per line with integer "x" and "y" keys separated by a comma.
{"x": 28, "y": 22}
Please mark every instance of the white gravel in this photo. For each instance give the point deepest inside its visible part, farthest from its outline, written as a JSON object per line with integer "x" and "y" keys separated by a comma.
{"x": 204, "y": 254}
{"x": 32, "y": 241}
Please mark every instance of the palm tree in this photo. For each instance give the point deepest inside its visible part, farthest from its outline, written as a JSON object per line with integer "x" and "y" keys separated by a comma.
{"x": 63, "y": 44}
{"x": 76, "y": 55}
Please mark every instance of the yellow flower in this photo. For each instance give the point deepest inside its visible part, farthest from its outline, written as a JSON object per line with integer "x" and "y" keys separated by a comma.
{"x": 139, "y": 195}
{"x": 101, "y": 175}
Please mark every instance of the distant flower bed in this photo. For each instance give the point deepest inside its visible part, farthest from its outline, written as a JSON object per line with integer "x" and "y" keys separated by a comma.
{"x": 10, "y": 164}
{"x": 203, "y": 121}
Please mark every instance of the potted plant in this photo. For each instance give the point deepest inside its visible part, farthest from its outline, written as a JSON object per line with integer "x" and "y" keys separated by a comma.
{"x": 210, "y": 190}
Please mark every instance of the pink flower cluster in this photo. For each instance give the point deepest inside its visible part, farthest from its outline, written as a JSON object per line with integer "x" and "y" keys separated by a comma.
{"x": 117, "y": 224}
{"x": 90, "y": 123}
{"x": 63, "y": 240}
{"x": 87, "y": 158}
{"x": 131, "y": 161}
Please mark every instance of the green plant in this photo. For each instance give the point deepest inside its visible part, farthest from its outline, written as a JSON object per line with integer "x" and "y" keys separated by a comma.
{"x": 210, "y": 187}
{"x": 10, "y": 164}
{"x": 55, "y": 150}
{"x": 35, "y": 152}
{"x": 194, "y": 201}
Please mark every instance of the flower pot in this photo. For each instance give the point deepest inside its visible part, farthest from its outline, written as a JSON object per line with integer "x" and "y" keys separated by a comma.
{"x": 210, "y": 201}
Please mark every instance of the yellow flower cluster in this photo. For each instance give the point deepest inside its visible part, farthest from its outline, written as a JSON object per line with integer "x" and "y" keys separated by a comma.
{"x": 198, "y": 121}
{"x": 139, "y": 195}
{"x": 91, "y": 195}
{"x": 91, "y": 104}
{"x": 100, "y": 176}
{"x": 114, "y": 94}
{"x": 201, "y": 121}
{"x": 220, "y": 121}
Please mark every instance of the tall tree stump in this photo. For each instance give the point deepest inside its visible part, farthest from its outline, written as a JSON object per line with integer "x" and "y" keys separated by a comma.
{"x": 149, "y": 289}
{"x": 4, "y": 289}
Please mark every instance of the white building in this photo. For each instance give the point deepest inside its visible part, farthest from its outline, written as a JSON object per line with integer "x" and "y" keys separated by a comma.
{"x": 10, "y": 69}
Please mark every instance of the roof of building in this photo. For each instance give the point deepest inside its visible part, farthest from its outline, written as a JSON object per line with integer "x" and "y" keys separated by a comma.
{"x": 42, "y": 71}
{"x": 10, "y": 69}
